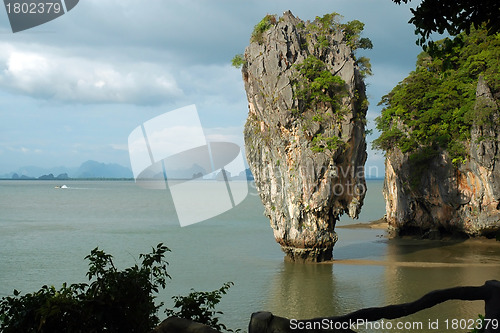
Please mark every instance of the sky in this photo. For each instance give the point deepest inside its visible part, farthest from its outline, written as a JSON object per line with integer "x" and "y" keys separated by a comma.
{"x": 73, "y": 89}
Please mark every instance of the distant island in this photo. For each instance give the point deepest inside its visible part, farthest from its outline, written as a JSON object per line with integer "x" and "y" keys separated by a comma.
{"x": 87, "y": 170}
{"x": 97, "y": 170}
{"x": 62, "y": 176}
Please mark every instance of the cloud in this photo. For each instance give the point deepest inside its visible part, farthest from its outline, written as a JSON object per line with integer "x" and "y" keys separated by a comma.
{"x": 23, "y": 149}
{"x": 225, "y": 134}
{"x": 385, "y": 77}
{"x": 119, "y": 146}
{"x": 185, "y": 32}
{"x": 52, "y": 76}
{"x": 107, "y": 66}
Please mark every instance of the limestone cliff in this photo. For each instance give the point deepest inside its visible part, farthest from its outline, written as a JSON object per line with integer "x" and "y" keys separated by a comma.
{"x": 450, "y": 198}
{"x": 305, "y": 132}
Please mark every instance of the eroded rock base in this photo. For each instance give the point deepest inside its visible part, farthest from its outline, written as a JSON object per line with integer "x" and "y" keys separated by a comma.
{"x": 308, "y": 254}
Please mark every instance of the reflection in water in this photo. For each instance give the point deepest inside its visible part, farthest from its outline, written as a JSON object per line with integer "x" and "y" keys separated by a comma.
{"x": 304, "y": 290}
{"x": 465, "y": 263}
{"x": 318, "y": 290}
{"x": 403, "y": 272}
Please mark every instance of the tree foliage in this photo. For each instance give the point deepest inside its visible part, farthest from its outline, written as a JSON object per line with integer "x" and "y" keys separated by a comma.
{"x": 238, "y": 60}
{"x": 329, "y": 24}
{"x": 453, "y": 16}
{"x": 316, "y": 84}
{"x": 267, "y": 22}
{"x": 320, "y": 143}
{"x": 316, "y": 87}
{"x": 352, "y": 35}
{"x": 200, "y": 307}
{"x": 434, "y": 106}
{"x": 114, "y": 301}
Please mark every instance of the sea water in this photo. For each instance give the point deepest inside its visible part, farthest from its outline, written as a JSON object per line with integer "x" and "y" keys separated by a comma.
{"x": 45, "y": 233}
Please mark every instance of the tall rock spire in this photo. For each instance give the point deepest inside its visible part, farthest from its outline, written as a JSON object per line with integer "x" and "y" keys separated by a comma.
{"x": 305, "y": 132}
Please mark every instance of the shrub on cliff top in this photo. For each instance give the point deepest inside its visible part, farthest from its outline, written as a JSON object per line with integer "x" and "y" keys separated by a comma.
{"x": 330, "y": 23}
{"x": 315, "y": 83}
{"x": 434, "y": 106}
{"x": 352, "y": 35}
{"x": 261, "y": 27}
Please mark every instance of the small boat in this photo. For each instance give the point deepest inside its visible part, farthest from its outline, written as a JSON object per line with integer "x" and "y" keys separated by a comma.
{"x": 62, "y": 186}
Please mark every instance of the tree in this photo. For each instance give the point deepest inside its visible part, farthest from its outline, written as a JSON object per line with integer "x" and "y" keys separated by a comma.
{"x": 453, "y": 16}
{"x": 199, "y": 306}
{"x": 433, "y": 108}
{"x": 114, "y": 301}
{"x": 238, "y": 61}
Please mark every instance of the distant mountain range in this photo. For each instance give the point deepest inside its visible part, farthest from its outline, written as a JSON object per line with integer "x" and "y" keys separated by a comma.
{"x": 89, "y": 169}
{"x": 94, "y": 169}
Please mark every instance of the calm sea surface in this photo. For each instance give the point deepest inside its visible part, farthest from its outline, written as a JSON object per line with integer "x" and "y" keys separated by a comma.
{"x": 45, "y": 233}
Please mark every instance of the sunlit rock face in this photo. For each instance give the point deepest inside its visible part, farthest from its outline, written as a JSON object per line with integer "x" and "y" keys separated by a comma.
{"x": 449, "y": 199}
{"x": 307, "y": 158}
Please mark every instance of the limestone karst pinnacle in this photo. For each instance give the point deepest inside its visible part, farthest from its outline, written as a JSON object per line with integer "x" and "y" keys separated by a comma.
{"x": 305, "y": 131}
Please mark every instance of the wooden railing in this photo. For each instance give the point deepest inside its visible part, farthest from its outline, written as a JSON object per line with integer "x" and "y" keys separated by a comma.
{"x": 266, "y": 322}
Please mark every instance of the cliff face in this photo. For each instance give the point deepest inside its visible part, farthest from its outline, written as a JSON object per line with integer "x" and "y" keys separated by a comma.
{"x": 449, "y": 198}
{"x": 305, "y": 132}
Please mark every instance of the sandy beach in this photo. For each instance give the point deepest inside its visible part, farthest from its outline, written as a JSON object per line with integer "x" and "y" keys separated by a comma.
{"x": 377, "y": 224}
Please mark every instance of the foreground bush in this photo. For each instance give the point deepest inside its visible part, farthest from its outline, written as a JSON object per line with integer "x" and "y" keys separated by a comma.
{"x": 199, "y": 306}
{"x": 114, "y": 301}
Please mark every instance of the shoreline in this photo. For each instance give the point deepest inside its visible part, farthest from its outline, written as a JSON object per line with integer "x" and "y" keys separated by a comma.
{"x": 382, "y": 224}
{"x": 419, "y": 264}
{"x": 377, "y": 224}
{"x": 476, "y": 242}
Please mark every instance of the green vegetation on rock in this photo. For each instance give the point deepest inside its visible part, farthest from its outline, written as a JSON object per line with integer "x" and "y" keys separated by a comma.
{"x": 352, "y": 35}
{"x": 433, "y": 108}
{"x": 238, "y": 61}
{"x": 261, "y": 27}
{"x": 329, "y": 24}
{"x": 316, "y": 88}
{"x": 320, "y": 143}
{"x": 316, "y": 84}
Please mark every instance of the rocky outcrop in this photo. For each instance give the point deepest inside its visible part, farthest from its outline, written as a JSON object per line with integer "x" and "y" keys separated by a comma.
{"x": 181, "y": 325}
{"x": 305, "y": 132}
{"x": 462, "y": 199}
